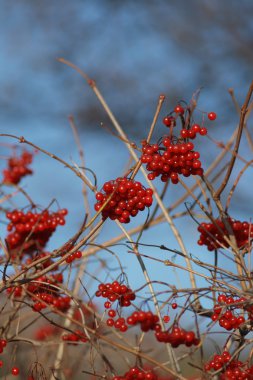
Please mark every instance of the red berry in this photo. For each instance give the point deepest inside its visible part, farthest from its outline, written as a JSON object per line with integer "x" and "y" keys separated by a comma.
{"x": 15, "y": 371}
{"x": 169, "y": 121}
{"x": 166, "y": 318}
{"x": 203, "y": 131}
{"x": 112, "y": 313}
{"x": 174, "y": 305}
{"x": 179, "y": 109}
{"x": 212, "y": 116}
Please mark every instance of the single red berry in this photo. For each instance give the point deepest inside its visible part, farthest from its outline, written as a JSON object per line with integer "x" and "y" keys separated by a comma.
{"x": 174, "y": 305}
{"x": 212, "y": 116}
{"x": 15, "y": 371}
{"x": 1, "y": 363}
{"x": 110, "y": 322}
{"x": 78, "y": 254}
{"x": 112, "y": 313}
{"x": 166, "y": 318}
{"x": 203, "y": 131}
{"x": 169, "y": 121}
{"x": 179, "y": 109}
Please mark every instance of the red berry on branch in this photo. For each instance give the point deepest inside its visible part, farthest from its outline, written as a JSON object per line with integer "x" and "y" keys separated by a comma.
{"x": 169, "y": 121}
{"x": 179, "y": 109}
{"x": 15, "y": 371}
{"x": 212, "y": 116}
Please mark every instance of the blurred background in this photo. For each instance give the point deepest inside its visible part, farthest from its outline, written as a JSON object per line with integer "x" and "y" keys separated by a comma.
{"x": 134, "y": 51}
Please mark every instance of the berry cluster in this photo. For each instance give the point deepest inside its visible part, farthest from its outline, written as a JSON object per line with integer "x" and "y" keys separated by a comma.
{"x": 77, "y": 336}
{"x": 147, "y": 320}
{"x": 60, "y": 303}
{"x": 127, "y": 198}
{"x": 193, "y": 131}
{"x": 177, "y": 336}
{"x": 212, "y": 234}
{"x": 115, "y": 291}
{"x": 119, "y": 324}
{"x": 17, "y": 168}
{"x": 135, "y": 373}
{"x": 74, "y": 256}
{"x": 44, "y": 289}
{"x": 31, "y": 231}
{"x": 45, "y": 332}
{"x": 45, "y": 293}
{"x": 170, "y": 159}
{"x": 227, "y": 319}
{"x": 231, "y": 369}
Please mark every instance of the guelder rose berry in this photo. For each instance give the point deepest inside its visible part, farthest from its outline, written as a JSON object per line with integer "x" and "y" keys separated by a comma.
{"x": 170, "y": 159}
{"x": 127, "y": 198}
{"x": 212, "y": 116}
{"x": 17, "y": 168}
{"x": 212, "y": 234}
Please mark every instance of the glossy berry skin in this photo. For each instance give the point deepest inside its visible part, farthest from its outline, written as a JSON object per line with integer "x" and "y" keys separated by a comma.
{"x": 230, "y": 369}
{"x": 127, "y": 198}
{"x": 170, "y": 160}
{"x": 115, "y": 292}
{"x": 147, "y": 320}
{"x": 32, "y": 229}
{"x": 212, "y": 234}
{"x": 177, "y": 336}
{"x": 169, "y": 121}
{"x": 224, "y": 312}
{"x": 212, "y": 116}
{"x": 15, "y": 371}
{"x": 179, "y": 109}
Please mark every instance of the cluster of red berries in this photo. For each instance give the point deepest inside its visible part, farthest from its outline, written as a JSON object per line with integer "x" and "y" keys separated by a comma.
{"x": 16, "y": 291}
{"x": 45, "y": 332}
{"x": 177, "y": 336}
{"x": 231, "y": 369}
{"x": 119, "y": 324}
{"x": 60, "y": 303}
{"x": 44, "y": 289}
{"x": 74, "y": 256}
{"x": 212, "y": 234}
{"x": 227, "y": 319}
{"x": 136, "y": 373}
{"x": 147, "y": 320}
{"x": 127, "y": 198}
{"x": 170, "y": 120}
{"x": 192, "y": 132}
{"x": 17, "y": 168}
{"x": 32, "y": 230}
{"x": 77, "y": 336}
{"x": 169, "y": 160}
{"x": 115, "y": 291}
